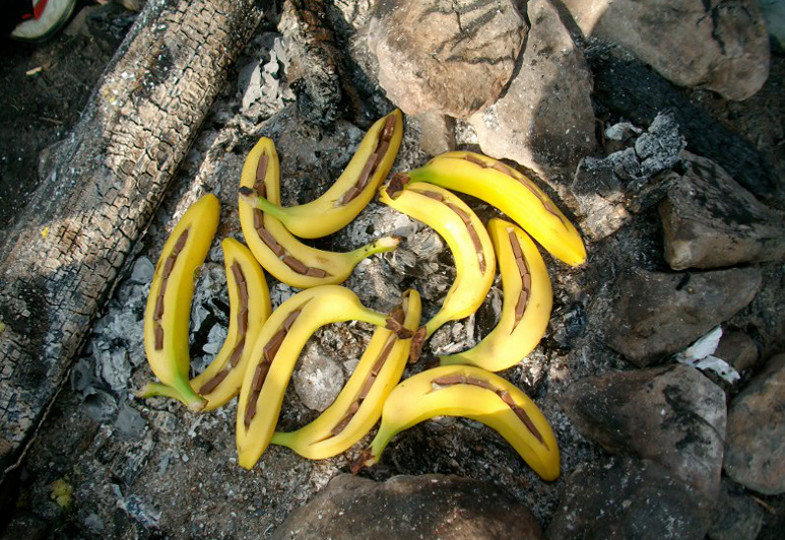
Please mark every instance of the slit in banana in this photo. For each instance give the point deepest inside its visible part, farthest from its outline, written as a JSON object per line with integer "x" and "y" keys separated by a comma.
{"x": 353, "y": 190}
{"x": 276, "y": 249}
{"x": 512, "y": 193}
{"x": 470, "y": 392}
{"x": 168, "y": 308}
{"x": 359, "y": 405}
{"x": 475, "y": 263}
{"x": 249, "y": 307}
{"x": 275, "y": 353}
{"x": 526, "y": 308}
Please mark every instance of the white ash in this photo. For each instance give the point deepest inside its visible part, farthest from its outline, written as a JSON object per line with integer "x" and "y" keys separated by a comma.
{"x": 210, "y": 300}
{"x": 115, "y": 369}
{"x": 454, "y": 336}
{"x": 215, "y": 339}
{"x": 142, "y": 271}
{"x": 280, "y": 293}
{"x": 137, "y": 509}
{"x": 319, "y": 379}
{"x": 262, "y": 89}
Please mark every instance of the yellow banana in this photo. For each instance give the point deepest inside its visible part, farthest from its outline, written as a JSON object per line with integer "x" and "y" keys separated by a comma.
{"x": 471, "y": 248}
{"x": 359, "y": 405}
{"x": 249, "y": 302}
{"x": 512, "y": 193}
{"x": 470, "y": 392}
{"x": 168, "y": 309}
{"x": 353, "y": 190}
{"x": 279, "y": 252}
{"x": 276, "y": 351}
{"x": 528, "y": 299}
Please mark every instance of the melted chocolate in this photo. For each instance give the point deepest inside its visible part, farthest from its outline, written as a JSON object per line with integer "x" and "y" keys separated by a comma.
{"x": 159, "y": 301}
{"x": 373, "y": 162}
{"x": 260, "y": 374}
{"x": 526, "y": 279}
{"x": 450, "y": 380}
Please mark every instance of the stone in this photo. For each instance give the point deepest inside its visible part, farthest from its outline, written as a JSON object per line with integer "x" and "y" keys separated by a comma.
{"x": 737, "y": 349}
{"x": 142, "y": 271}
{"x": 423, "y": 506}
{"x": 319, "y": 379}
{"x": 432, "y": 53}
{"x": 710, "y": 221}
{"x": 544, "y": 119}
{"x": 655, "y": 314}
{"x": 627, "y": 498}
{"x": 755, "y": 443}
{"x": 737, "y": 517}
{"x": 437, "y": 133}
{"x": 671, "y": 415}
{"x": 774, "y": 14}
{"x": 720, "y": 45}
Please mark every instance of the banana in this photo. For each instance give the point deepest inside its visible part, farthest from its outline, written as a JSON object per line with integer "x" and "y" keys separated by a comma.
{"x": 249, "y": 301}
{"x": 279, "y": 252}
{"x": 528, "y": 299}
{"x": 359, "y": 405}
{"x": 470, "y": 392}
{"x": 276, "y": 351}
{"x": 168, "y": 308}
{"x": 512, "y": 193}
{"x": 353, "y": 190}
{"x": 471, "y": 248}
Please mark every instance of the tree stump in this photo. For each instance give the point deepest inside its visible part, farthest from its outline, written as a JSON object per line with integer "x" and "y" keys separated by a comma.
{"x": 60, "y": 261}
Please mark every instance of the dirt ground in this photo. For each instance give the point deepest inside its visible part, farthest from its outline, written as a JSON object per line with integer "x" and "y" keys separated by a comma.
{"x": 44, "y": 89}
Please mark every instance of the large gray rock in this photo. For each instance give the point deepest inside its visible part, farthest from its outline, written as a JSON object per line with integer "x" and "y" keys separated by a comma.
{"x": 737, "y": 516}
{"x": 453, "y": 57}
{"x": 545, "y": 117}
{"x": 774, "y": 15}
{"x": 755, "y": 446}
{"x": 737, "y": 349}
{"x": 627, "y": 498}
{"x": 672, "y": 415}
{"x": 656, "y": 314}
{"x": 710, "y": 221}
{"x": 427, "y": 506}
{"x": 721, "y": 45}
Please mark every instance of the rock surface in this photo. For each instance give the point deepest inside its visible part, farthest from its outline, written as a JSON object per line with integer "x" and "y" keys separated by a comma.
{"x": 656, "y": 314}
{"x": 755, "y": 445}
{"x": 437, "y": 133}
{"x": 721, "y": 45}
{"x": 433, "y": 53}
{"x": 424, "y": 506}
{"x": 627, "y": 498}
{"x": 737, "y": 517}
{"x": 545, "y": 117}
{"x": 710, "y": 221}
{"x": 672, "y": 415}
{"x": 774, "y": 14}
{"x": 737, "y": 349}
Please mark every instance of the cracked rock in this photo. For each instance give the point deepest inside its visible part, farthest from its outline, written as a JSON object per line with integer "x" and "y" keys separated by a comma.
{"x": 672, "y": 415}
{"x": 737, "y": 517}
{"x": 432, "y": 53}
{"x": 710, "y": 221}
{"x": 656, "y": 314}
{"x": 721, "y": 45}
{"x": 410, "y": 507}
{"x": 755, "y": 445}
{"x": 545, "y": 118}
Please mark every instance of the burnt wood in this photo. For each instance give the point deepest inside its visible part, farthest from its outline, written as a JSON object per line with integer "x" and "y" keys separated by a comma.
{"x": 59, "y": 263}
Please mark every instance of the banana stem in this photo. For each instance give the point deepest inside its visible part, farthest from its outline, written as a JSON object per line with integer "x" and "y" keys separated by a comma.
{"x": 191, "y": 400}
{"x": 267, "y": 207}
{"x": 381, "y": 245}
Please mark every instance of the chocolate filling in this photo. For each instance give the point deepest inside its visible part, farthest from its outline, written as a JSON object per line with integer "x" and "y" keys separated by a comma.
{"x": 504, "y": 169}
{"x": 242, "y": 330}
{"x": 269, "y": 352}
{"x": 450, "y": 380}
{"x": 396, "y": 185}
{"x": 366, "y": 387}
{"x": 526, "y": 279}
{"x": 374, "y": 160}
{"x": 467, "y": 220}
{"x": 261, "y": 172}
{"x": 159, "y": 301}
{"x": 270, "y": 241}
